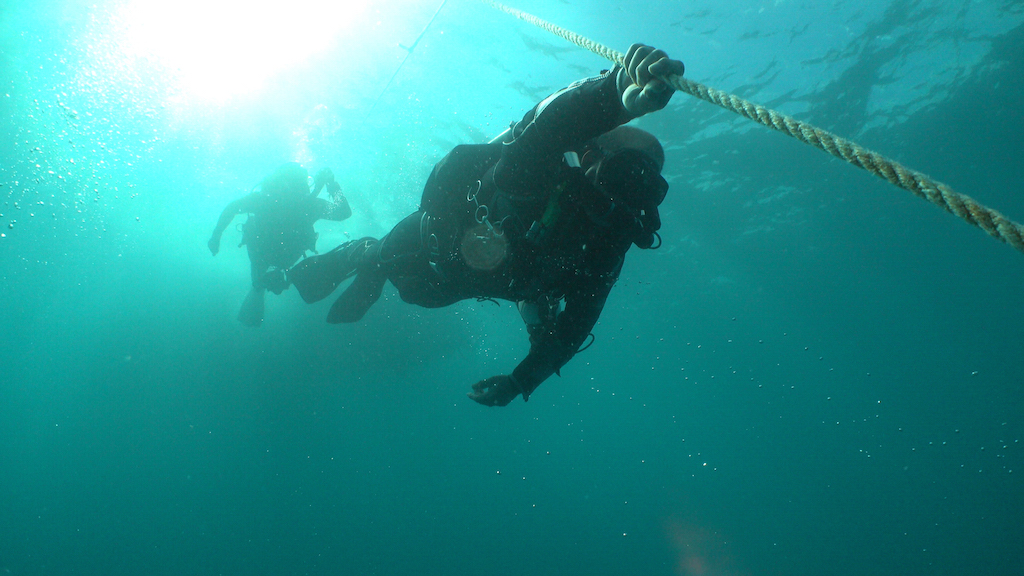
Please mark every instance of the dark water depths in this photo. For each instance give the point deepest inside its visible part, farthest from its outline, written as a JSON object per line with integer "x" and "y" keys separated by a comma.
{"x": 817, "y": 373}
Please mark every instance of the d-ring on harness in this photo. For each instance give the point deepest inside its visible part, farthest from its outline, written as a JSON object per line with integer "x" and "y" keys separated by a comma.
{"x": 482, "y": 213}
{"x": 483, "y": 246}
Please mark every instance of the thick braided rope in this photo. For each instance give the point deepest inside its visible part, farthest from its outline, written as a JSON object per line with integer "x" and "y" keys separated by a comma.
{"x": 991, "y": 221}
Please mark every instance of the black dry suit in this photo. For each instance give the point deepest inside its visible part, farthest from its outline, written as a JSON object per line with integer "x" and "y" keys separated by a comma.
{"x": 517, "y": 221}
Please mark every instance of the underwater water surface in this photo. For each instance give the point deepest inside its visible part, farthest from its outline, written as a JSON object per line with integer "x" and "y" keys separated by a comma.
{"x": 816, "y": 373}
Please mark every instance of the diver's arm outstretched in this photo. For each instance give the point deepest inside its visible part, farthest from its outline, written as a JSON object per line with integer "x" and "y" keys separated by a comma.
{"x": 582, "y": 111}
{"x": 555, "y": 345}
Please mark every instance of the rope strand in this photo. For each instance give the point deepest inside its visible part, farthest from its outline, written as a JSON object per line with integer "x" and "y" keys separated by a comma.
{"x": 989, "y": 220}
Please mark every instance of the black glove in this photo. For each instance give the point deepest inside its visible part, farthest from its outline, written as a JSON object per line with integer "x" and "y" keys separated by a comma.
{"x": 639, "y": 83}
{"x": 323, "y": 176}
{"x": 495, "y": 391}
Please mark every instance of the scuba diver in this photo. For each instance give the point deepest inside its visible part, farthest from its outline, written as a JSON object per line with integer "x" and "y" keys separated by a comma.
{"x": 542, "y": 217}
{"x": 279, "y": 230}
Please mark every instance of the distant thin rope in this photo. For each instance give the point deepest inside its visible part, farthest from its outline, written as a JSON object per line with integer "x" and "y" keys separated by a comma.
{"x": 408, "y": 52}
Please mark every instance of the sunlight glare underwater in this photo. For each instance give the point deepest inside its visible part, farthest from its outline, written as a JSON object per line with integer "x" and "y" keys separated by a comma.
{"x": 218, "y": 49}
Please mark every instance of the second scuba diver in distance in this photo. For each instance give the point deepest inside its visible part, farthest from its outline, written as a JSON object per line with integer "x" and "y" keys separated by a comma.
{"x": 279, "y": 230}
{"x": 543, "y": 218}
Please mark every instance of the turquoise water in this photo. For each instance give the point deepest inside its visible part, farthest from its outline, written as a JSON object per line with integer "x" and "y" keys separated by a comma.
{"x": 818, "y": 373}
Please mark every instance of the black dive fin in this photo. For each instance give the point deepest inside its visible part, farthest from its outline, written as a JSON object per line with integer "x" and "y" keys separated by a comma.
{"x": 357, "y": 299}
{"x": 251, "y": 313}
{"x": 317, "y": 276}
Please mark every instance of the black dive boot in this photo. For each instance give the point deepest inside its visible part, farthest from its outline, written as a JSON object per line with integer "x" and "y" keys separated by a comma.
{"x": 317, "y": 276}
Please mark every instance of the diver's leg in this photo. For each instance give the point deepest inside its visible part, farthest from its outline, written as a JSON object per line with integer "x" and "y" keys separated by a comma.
{"x": 317, "y": 276}
{"x": 251, "y": 312}
{"x": 258, "y": 266}
{"x": 375, "y": 263}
